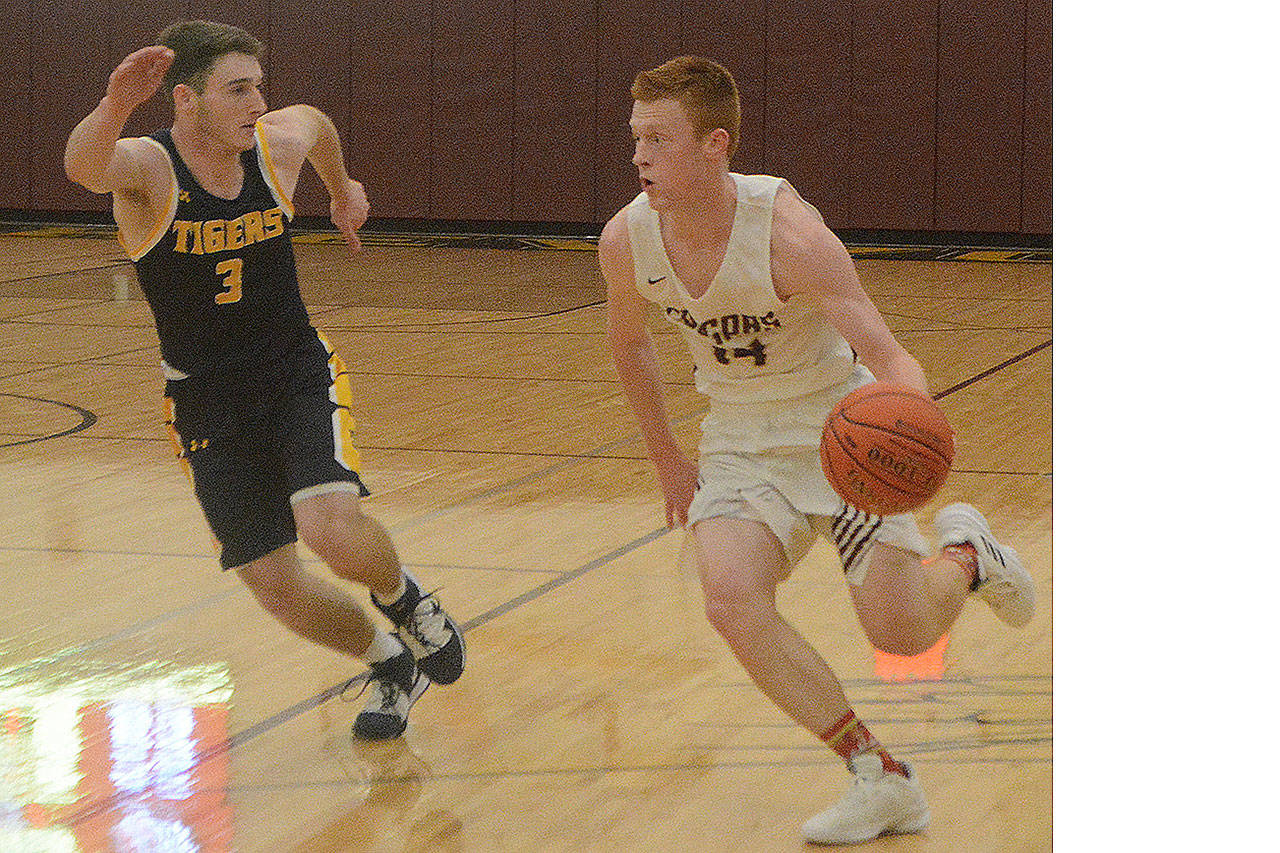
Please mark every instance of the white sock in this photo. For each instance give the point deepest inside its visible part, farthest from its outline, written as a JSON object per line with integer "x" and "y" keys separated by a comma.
{"x": 384, "y": 647}
{"x": 388, "y": 600}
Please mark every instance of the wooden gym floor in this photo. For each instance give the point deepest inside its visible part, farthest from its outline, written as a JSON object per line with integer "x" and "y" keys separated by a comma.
{"x": 148, "y": 704}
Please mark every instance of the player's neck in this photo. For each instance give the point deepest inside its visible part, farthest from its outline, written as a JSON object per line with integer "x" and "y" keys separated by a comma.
{"x": 215, "y": 166}
{"x": 703, "y": 216}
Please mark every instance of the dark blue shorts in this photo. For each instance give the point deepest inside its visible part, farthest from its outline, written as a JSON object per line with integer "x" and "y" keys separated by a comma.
{"x": 254, "y": 444}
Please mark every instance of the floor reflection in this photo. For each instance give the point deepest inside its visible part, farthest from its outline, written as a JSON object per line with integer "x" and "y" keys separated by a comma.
{"x": 387, "y": 818}
{"x": 926, "y": 666}
{"x": 121, "y": 759}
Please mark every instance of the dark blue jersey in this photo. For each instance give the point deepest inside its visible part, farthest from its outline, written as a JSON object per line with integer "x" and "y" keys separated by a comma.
{"x": 219, "y": 274}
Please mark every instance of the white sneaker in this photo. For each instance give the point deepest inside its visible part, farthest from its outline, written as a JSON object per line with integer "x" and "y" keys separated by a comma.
{"x": 1002, "y": 581}
{"x": 877, "y": 803}
{"x": 396, "y": 684}
{"x": 432, "y": 635}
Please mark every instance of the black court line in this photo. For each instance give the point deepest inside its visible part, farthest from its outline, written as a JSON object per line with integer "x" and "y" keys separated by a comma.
{"x": 78, "y": 271}
{"x": 536, "y": 592}
{"x": 821, "y": 760}
{"x": 540, "y": 590}
{"x": 509, "y": 319}
{"x": 1001, "y": 366}
{"x": 597, "y": 770}
{"x": 82, "y": 361}
{"x": 76, "y": 303}
{"x": 87, "y": 419}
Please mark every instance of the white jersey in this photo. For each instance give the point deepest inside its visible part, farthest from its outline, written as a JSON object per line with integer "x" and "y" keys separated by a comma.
{"x": 747, "y": 344}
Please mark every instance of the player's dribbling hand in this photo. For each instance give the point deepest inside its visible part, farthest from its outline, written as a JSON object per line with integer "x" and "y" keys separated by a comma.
{"x": 138, "y": 77}
{"x": 349, "y": 209}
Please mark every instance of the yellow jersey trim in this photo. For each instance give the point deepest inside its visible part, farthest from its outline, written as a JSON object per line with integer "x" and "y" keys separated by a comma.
{"x": 136, "y": 253}
{"x": 268, "y": 169}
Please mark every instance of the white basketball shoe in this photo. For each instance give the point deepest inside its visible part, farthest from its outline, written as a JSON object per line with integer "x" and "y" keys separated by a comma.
{"x": 877, "y": 803}
{"x": 397, "y": 685}
{"x": 1003, "y": 583}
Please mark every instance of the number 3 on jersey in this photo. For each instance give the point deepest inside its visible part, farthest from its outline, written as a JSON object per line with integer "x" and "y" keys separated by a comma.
{"x": 230, "y": 272}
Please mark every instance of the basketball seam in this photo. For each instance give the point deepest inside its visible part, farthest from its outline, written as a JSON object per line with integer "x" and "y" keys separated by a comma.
{"x": 853, "y": 460}
{"x": 923, "y": 445}
{"x": 857, "y": 463}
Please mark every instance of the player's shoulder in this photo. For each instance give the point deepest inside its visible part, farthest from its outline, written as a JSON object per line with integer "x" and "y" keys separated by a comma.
{"x": 289, "y": 129}
{"x": 141, "y": 169}
{"x": 144, "y": 151}
{"x": 797, "y": 225}
{"x": 615, "y": 236}
{"x": 617, "y": 262}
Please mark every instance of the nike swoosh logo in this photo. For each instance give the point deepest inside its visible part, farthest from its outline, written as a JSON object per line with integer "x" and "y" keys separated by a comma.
{"x": 656, "y": 280}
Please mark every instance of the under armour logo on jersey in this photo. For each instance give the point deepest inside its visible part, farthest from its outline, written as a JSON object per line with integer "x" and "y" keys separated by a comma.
{"x": 184, "y": 196}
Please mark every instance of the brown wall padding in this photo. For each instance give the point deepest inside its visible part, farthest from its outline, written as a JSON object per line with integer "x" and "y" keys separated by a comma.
{"x": 15, "y": 107}
{"x": 979, "y": 116}
{"x": 887, "y": 114}
{"x": 1037, "y": 133}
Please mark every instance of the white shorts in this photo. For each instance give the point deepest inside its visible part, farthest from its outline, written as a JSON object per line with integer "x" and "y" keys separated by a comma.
{"x": 759, "y": 461}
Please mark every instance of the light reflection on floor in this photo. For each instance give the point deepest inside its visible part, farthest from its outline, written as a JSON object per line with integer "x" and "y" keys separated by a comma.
{"x": 926, "y": 666}
{"x": 114, "y": 759}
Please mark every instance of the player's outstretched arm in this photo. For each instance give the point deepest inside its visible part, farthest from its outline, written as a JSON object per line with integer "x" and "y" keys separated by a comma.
{"x": 633, "y": 355}
{"x": 302, "y": 132}
{"x": 808, "y": 257}
{"x": 96, "y": 157}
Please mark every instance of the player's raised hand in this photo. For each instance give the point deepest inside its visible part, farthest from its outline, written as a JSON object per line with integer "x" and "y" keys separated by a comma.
{"x": 349, "y": 208}
{"x": 138, "y": 77}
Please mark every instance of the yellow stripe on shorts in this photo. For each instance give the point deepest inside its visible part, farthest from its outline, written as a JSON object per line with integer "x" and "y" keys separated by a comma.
{"x": 344, "y": 425}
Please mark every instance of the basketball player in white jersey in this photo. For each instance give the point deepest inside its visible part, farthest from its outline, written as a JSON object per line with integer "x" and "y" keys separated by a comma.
{"x": 779, "y": 329}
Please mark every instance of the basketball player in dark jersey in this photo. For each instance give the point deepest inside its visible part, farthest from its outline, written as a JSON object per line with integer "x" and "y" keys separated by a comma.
{"x": 258, "y": 402}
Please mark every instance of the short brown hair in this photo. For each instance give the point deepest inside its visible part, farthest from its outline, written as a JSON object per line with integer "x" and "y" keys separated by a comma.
{"x": 197, "y": 45}
{"x": 704, "y": 88}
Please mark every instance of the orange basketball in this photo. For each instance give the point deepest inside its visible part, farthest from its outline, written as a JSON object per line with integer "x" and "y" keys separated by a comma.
{"x": 886, "y": 448}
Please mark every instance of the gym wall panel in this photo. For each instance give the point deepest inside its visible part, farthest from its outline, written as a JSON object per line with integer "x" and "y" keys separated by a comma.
{"x": 310, "y": 64}
{"x": 735, "y": 35}
{"x": 134, "y": 25}
{"x": 980, "y": 96}
{"x": 471, "y": 119}
{"x": 1037, "y": 157}
{"x": 894, "y": 102}
{"x": 250, "y": 15}
{"x": 632, "y": 35}
{"x": 389, "y": 144}
{"x": 553, "y": 148}
{"x": 808, "y": 93}
{"x": 887, "y": 114}
{"x": 15, "y": 103}
{"x": 75, "y": 64}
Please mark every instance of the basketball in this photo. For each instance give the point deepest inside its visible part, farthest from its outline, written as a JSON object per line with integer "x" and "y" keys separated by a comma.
{"x": 886, "y": 448}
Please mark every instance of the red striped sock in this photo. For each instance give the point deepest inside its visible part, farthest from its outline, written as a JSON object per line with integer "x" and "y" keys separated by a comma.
{"x": 967, "y": 556}
{"x": 849, "y": 737}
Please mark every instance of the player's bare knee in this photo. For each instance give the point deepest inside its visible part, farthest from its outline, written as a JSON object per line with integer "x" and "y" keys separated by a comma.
{"x": 733, "y": 606}
{"x": 332, "y": 536}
